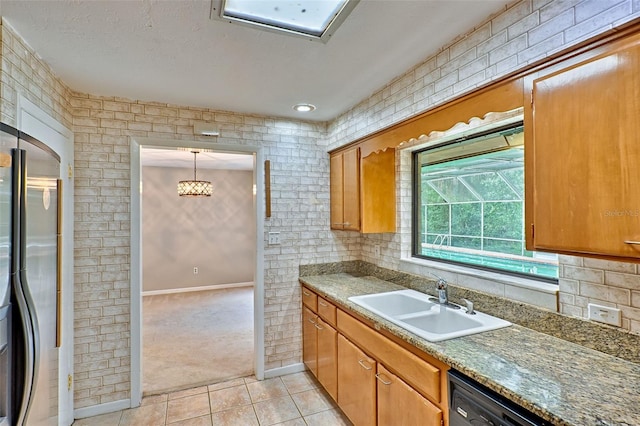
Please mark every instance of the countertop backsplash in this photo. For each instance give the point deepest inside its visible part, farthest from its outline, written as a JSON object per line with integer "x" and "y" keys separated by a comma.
{"x": 607, "y": 339}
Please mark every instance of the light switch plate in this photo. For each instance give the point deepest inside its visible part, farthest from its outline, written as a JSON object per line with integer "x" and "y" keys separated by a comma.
{"x": 605, "y": 314}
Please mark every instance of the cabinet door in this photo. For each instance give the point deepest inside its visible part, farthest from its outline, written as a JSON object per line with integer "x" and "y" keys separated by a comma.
{"x": 345, "y": 190}
{"x": 356, "y": 384}
{"x": 583, "y": 155}
{"x": 399, "y": 404}
{"x": 327, "y": 358}
{"x": 336, "y": 186}
{"x": 378, "y": 192}
{"x": 310, "y": 340}
{"x": 351, "y": 185}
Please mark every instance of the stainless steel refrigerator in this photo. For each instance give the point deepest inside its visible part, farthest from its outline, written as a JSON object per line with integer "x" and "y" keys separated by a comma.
{"x": 29, "y": 280}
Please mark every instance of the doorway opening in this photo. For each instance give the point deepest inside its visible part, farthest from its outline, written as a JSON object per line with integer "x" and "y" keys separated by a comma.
{"x": 198, "y": 315}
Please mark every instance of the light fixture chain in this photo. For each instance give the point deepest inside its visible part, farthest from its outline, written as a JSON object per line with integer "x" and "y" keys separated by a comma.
{"x": 195, "y": 176}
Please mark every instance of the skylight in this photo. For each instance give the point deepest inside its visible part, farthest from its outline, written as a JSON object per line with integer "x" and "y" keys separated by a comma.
{"x": 312, "y": 19}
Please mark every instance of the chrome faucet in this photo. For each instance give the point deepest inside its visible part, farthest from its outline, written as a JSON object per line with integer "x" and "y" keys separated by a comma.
{"x": 441, "y": 287}
{"x": 443, "y": 296}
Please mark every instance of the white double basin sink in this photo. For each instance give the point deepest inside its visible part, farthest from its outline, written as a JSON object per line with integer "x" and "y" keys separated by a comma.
{"x": 425, "y": 317}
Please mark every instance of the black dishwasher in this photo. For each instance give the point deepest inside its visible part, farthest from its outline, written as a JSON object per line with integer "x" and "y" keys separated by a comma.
{"x": 471, "y": 403}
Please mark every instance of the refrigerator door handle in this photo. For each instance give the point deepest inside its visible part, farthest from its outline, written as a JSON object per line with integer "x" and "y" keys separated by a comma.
{"x": 26, "y": 306}
{"x": 29, "y": 348}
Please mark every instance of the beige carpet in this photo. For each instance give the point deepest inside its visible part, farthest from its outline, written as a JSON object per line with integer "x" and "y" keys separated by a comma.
{"x": 196, "y": 338}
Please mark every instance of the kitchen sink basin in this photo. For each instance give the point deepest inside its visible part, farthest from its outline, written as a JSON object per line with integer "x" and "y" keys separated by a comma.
{"x": 443, "y": 321}
{"x": 424, "y": 316}
{"x": 394, "y": 303}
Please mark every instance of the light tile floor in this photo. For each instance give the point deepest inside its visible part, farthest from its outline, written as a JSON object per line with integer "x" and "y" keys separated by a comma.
{"x": 292, "y": 400}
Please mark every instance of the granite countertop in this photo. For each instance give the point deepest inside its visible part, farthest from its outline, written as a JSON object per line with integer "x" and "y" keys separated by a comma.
{"x": 562, "y": 382}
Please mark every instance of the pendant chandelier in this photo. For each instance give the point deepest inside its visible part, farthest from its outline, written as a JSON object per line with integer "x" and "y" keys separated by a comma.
{"x": 195, "y": 187}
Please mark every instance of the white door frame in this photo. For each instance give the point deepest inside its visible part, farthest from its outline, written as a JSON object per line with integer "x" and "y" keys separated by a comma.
{"x": 136, "y": 251}
{"x": 37, "y": 123}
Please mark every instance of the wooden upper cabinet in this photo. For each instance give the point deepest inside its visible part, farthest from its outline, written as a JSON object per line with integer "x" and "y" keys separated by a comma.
{"x": 363, "y": 191}
{"x": 378, "y": 191}
{"x": 582, "y": 157}
{"x": 345, "y": 190}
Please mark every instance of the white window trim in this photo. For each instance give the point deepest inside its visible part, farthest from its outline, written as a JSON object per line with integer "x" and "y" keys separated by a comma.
{"x": 528, "y": 290}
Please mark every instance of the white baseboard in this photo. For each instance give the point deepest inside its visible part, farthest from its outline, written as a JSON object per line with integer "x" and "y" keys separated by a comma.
{"x": 282, "y": 371}
{"x": 96, "y": 410}
{"x": 200, "y": 288}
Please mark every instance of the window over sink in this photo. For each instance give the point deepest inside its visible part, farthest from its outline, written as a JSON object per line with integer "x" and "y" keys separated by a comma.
{"x": 469, "y": 204}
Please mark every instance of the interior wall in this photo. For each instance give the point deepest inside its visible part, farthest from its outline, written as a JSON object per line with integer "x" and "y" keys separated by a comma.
{"x": 24, "y": 72}
{"x": 525, "y": 32}
{"x": 103, "y": 126}
{"x": 215, "y": 234}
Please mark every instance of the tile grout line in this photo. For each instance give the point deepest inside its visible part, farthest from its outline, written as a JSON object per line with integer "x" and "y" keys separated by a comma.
{"x": 253, "y": 407}
{"x": 124, "y": 419}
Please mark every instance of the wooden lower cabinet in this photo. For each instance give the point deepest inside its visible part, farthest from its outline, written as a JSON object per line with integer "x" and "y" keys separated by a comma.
{"x": 391, "y": 386}
{"x": 356, "y": 383}
{"x": 400, "y": 404}
{"x": 310, "y": 340}
{"x": 327, "y": 358}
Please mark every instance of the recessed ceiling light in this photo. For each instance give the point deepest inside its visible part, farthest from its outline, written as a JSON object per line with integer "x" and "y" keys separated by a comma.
{"x": 304, "y": 107}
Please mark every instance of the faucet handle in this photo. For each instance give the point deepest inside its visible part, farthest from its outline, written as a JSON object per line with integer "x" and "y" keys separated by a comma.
{"x": 469, "y": 304}
{"x": 441, "y": 284}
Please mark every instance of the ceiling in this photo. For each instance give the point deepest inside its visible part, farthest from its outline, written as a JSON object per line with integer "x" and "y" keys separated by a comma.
{"x": 170, "y": 51}
{"x": 183, "y": 158}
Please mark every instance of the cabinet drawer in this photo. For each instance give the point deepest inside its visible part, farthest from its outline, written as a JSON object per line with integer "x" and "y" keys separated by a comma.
{"x": 310, "y": 299}
{"x": 418, "y": 373}
{"x": 327, "y": 311}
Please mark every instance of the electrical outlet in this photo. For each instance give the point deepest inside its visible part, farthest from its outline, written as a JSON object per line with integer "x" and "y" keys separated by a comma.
{"x": 376, "y": 250}
{"x": 274, "y": 238}
{"x": 605, "y": 314}
{"x": 195, "y": 270}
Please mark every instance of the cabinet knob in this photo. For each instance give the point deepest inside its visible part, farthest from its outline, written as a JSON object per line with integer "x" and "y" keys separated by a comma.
{"x": 322, "y": 303}
{"x": 635, "y": 243}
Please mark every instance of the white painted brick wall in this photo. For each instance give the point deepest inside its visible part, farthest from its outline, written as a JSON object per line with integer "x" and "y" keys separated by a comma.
{"x": 23, "y": 72}
{"x": 525, "y": 32}
{"x": 103, "y": 127}
{"x": 300, "y": 194}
